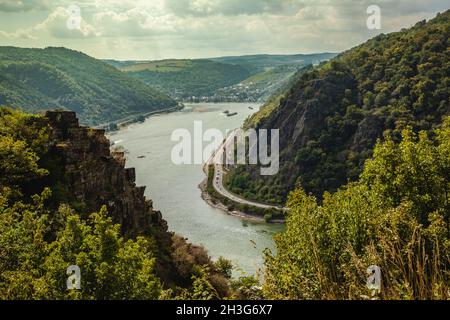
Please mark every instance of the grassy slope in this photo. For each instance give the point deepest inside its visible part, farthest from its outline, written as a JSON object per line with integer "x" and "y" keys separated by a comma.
{"x": 170, "y": 65}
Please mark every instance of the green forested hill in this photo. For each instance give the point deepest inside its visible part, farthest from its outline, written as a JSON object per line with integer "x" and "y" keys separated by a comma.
{"x": 330, "y": 119}
{"x": 39, "y": 79}
{"x": 395, "y": 218}
{"x": 186, "y": 78}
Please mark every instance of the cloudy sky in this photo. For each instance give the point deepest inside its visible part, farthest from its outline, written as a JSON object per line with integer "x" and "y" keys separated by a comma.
{"x": 157, "y": 29}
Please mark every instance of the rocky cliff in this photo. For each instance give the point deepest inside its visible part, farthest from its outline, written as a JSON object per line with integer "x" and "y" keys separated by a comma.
{"x": 95, "y": 176}
{"x": 86, "y": 175}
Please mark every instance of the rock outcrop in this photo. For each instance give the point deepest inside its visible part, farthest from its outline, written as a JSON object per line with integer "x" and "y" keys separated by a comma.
{"x": 86, "y": 175}
{"x": 95, "y": 176}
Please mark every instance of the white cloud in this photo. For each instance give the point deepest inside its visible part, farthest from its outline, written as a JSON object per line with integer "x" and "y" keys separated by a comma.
{"x": 134, "y": 23}
{"x": 232, "y": 7}
{"x": 24, "y": 5}
{"x": 19, "y": 34}
{"x": 201, "y": 28}
{"x": 56, "y": 25}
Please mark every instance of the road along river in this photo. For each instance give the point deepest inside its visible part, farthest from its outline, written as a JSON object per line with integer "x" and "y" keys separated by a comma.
{"x": 217, "y": 160}
{"x": 174, "y": 188}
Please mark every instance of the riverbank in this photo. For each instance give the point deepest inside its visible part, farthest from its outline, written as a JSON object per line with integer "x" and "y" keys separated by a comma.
{"x": 136, "y": 118}
{"x": 219, "y": 205}
{"x": 215, "y": 200}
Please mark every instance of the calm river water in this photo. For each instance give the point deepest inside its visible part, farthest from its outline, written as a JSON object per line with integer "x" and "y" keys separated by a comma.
{"x": 174, "y": 189}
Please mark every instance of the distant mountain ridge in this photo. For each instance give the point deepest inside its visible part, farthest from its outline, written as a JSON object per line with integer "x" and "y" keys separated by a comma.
{"x": 50, "y": 78}
{"x": 261, "y": 62}
{"x": 239, "y": 78}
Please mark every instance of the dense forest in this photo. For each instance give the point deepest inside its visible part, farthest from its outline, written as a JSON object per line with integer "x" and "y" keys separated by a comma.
{"x": 42, "y": 79}
{"x": 332, "y": 115}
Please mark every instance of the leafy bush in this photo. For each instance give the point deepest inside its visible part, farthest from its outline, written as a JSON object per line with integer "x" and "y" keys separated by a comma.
{"x": 34, "y": 267}
{"x": 396, "y": 216}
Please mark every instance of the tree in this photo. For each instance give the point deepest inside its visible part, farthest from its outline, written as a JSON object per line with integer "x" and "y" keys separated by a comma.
{"x": 395, "y": 216}
{"x": 202, "y": 288}
{"x": 111, "y": 268}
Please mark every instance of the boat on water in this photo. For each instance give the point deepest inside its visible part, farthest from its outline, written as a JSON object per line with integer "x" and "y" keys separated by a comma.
{"x": 250, "y": 108}
{"x": 226, "y": 112}
{"x": 231, "y": 114}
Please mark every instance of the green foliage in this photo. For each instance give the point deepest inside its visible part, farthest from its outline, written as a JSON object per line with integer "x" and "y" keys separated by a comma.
{"x": 17, "y": 162}
{"x": 396, "y": 216}
{"x": 247, "y": 288}
{"x": 111, "y": 267}
{"x": 51, "y": 78}
{"x": 224, "y": 267}
{"x": 23, "y": 140}
{"x": 202, "y": 288}
{"x": 32, "y": 267}
{"x": 241, "y": 182}
{"x": 414, "y": 170}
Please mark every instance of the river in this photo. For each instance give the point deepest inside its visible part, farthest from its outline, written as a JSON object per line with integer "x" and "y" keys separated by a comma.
{"x": 174, "y": 188}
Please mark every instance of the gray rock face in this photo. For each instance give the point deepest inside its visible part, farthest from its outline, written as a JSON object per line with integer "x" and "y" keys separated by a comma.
{"x": 301, "y": 118}
{"x": 369, "y": 130}
{"x": 98, "y": 177}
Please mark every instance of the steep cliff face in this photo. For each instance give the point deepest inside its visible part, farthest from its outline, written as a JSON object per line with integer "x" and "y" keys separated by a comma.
{"x": 304, "y": 112}
{"x": 95, "y": 176}
{"x": 86, "y": 175}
